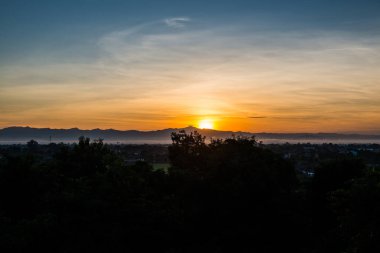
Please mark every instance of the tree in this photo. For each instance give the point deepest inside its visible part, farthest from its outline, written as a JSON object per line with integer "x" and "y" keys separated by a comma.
{"x": 32, "y": 145}
{"x": 234, "y": 190}
{"x": 85, "y": 158}
{"x": 188, "y": 153}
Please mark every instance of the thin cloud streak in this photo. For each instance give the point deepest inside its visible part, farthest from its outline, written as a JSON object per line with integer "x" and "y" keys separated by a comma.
{"x": 213, "y": 71}
{"x": 178, "y": 22}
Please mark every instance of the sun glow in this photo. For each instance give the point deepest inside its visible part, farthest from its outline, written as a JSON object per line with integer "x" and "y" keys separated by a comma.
{"x": 206, "y": 124}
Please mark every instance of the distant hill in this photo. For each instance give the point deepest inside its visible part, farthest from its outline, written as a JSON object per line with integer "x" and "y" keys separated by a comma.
{"x": 44, "y": 135}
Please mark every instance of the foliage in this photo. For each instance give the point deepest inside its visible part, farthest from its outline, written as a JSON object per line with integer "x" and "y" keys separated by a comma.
{"x": 218, "y": 196}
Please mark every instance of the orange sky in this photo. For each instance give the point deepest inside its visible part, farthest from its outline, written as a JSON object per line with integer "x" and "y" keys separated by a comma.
{"x": 146, "y": 78}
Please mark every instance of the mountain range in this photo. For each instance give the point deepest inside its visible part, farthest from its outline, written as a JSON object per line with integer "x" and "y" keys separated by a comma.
{"x": 46, "y": 135}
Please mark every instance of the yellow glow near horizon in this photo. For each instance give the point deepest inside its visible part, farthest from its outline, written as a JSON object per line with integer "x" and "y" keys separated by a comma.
{"x": 148, "y": 79}
{"x": 206, "y": 124}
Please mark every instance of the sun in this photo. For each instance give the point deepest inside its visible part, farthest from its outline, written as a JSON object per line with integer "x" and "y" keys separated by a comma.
{"x": 206, "y": 124}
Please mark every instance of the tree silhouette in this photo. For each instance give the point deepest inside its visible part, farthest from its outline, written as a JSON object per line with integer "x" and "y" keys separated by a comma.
{"x": 224, "y": 195}
{"x": 234, "y": 184}
{"x": 32, "y": 145}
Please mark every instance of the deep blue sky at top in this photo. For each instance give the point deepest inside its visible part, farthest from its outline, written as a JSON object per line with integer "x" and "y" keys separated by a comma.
{"x": 28, "y": 27}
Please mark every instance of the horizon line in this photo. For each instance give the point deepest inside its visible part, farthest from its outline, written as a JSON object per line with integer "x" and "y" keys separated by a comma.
{"x": 203, "y": 129}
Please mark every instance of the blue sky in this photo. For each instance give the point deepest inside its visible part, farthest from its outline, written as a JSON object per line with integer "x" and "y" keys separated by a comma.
{"x": 246, "y": 65}
{"x": 32, "y": 26}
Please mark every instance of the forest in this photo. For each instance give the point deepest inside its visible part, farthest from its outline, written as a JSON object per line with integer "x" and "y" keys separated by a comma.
{"x": 226, "y": 195}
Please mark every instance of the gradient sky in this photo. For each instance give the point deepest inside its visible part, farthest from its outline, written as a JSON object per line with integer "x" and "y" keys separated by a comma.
{"x": 274, "y": 65}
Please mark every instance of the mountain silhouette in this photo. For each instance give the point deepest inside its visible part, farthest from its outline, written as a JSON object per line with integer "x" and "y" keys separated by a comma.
{"x": 45, "y": 135}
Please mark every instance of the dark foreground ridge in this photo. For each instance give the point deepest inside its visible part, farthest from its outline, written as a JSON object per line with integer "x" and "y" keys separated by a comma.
{"x": 46, "y": 135}
{"x": 228, "y": 195}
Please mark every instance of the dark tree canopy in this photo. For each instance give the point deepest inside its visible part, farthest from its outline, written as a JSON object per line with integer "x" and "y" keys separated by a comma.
{"x": 32, "y": 144}
{"x": 220, "y": 195}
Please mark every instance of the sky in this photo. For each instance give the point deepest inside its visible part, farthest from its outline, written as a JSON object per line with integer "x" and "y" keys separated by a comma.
{"x": 259, "y": 66}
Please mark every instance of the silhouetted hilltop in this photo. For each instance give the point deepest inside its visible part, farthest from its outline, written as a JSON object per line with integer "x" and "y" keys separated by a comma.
{"x": 44, "y": 135}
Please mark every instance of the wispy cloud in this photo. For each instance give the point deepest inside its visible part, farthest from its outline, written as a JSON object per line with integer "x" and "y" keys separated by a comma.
{"x": 209, "y": 71}
{"x": 177, "y": 22}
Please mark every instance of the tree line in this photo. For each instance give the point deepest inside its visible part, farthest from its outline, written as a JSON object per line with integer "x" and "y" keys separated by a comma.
{"x": 223, "y": 196}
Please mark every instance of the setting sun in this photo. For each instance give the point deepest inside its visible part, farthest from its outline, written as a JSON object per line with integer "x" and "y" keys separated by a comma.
{"x": 206, "y": 124}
